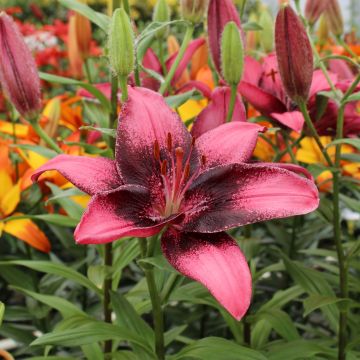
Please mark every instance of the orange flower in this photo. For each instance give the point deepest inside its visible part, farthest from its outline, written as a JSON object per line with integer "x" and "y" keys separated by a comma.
{"x": 23, "y": 229}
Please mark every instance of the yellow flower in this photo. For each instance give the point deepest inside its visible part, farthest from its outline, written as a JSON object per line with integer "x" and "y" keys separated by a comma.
{"x": 23, "y": 229}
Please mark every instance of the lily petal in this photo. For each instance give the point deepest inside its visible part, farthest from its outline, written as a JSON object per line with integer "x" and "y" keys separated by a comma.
{"x": 238, "y": 194}
{"x": 29, "y": 232}
{"x": 291, "y": 119}
{"x": 215, "y": 114}
{"x": 214, "y": 260}
{"x": 91, "y": 175}
{"x": 261, "y": 100}
{"x": 10, "y": 200}
{"x": 252, "y": 71}
{"x": 145, "y": 120}
{"x": 126, "y": 211}
{"x": 229, "y": 143}
{"x": 190, "y": 51}
{"x": 320, "y": 83}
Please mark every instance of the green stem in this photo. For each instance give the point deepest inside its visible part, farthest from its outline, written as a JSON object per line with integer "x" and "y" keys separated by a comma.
{"x": 124, "y": 89}
{"x": 242, "y": 8}
{"x": 342, "y": 336}
{"x": 158, "y": 317}
{"x": 184, "y": 45}
{"x": 161, "y": 56}
{"x": 232, "y": 103}
{"x": 114, "y": 91}
{"x": 108, "y": 260}
{"x": 126, "y": 6}
{"x": 87, "y": 70}
{"x": 278, "y": 156}
{"x": 310, "y": 125}
{"x": 43, "y": 135}
{"x": 137, "y": 71}
{"x": 289, "y": 148}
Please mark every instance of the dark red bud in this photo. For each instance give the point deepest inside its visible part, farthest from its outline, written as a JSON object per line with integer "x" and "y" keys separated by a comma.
{"x": 314, "y": 9}
{"x": 294, "y": 54}
{"x": 219, "y": 14}
{"x": 18, "y": 73}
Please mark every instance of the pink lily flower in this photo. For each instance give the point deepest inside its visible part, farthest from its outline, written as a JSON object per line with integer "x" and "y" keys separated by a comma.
{"x": 197, "y": 189}
{"x": 215, "y": 113}
{"x": 270, "y": 99}
{"x": 328, "y": 123}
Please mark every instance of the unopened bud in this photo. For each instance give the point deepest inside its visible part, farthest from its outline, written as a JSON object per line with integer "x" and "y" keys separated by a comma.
{"x": 161, "y": 14}
{"x": 294, "y": 54}
{"x": 194, "y": 10}
{"x": 314, "y": 9}
{"x": 232, "y": 54}
{"x": 18, "y": 73}
{"x": 323, "y": 30}
{"x": 267, "y": 33}
{"x": 121, "y": 44}
{"x": 334, "y": 17}
{"x": 219, "y": 14}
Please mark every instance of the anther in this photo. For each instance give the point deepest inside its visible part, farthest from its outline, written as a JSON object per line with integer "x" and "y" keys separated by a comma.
{"x": 156, "y": 150}
{"x": 187, "y": 171}
{"x": 163, "y": 168}
{"x": 203, "y": 160}
{"x": 169, "y": 142}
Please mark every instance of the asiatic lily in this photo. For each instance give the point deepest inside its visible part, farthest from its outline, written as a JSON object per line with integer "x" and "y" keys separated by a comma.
{"x": 269, "y": 97}
{"x": 23, "y": 229}
{"x": 195, "y": 190}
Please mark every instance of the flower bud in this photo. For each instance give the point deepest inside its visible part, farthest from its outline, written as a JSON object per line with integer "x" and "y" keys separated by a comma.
{"x": 194, "y": 10}
{"x": 232, "y": 54}
{"x": 334, "y": 17}
{"x": 267, "y": 33}
{"x": 18, "y": 73}
{"x": 323, "y": 30}
{"x": 314, "y": 9}
{"x": 161, "y": 14}
{"x": 83, "y": 34}
{"x": 121, "y": 44}
{"x": 76, "y": 61}
{"x": 294, "y": 54}
{"x": 219, "y": 14}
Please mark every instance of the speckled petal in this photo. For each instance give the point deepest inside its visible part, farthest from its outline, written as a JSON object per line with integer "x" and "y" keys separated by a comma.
{"x": 294, "y": 120}
{"x": 190, "y": 51}
{"x": 234, "y": 195}
{"x": 91, "y": 175}
{"x": 320, "y": 83}
{"x": 260, "y": 99}
{"x": 214, "y": 260}
{"x": 144, "y": 120}
{"x": 215, "y": 114}
{"x": 229, "y": 143}
{"x": 126, "y": 211}
{"x": 252, "y": 71}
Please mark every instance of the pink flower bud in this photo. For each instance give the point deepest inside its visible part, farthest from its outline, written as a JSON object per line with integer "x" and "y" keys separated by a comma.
{"x": 294, "y": 54}
{"x": 219, "y": 14}
{"x": 314, "y": 9}
{"x": 334, "y": 17}
{"x": 18, "y": 73}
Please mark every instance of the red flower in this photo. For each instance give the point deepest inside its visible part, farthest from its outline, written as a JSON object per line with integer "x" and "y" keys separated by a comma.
{"x": 199, "y": 189}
